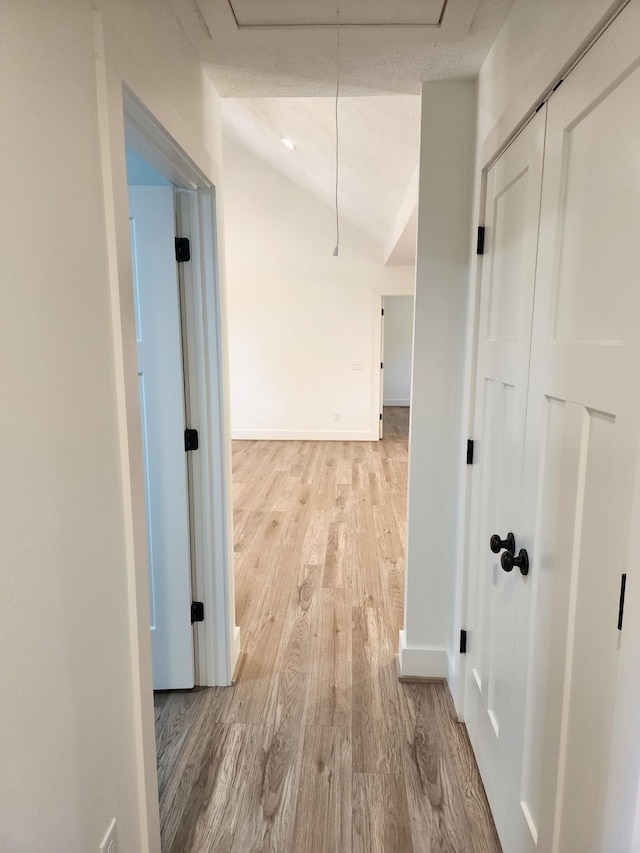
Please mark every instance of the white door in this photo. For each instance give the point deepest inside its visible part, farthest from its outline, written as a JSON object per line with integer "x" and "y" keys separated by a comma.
{"x": 499, "y": 601}
{"x": 162, "y": 412}
{"x": 544, "y": 649}
{"x": 582, "y": 443}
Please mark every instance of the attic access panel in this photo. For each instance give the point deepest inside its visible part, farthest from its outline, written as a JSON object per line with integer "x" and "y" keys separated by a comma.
{"x": 320, "y": 13}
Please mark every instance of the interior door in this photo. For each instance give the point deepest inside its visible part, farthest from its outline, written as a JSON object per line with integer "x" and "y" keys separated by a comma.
{"x": 162, "y": 411}
{"x": 499, "y": 600}
{"x": 582, "y": 444}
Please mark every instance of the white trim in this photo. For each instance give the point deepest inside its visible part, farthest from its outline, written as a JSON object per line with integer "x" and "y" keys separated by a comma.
{"x": 111, "y": 131}
{"x": 215, "y": 368}
{"x": 403, "y": 402}
{"x": 147, "y": 137}
{"x": 302, "y": 435}
{"x": 422, "y": 663}
{"x": 465, "y": 474}
{"x": 455, "y": 680}
{"x": 236, "y": 647}
{"x": 213, "y": 555}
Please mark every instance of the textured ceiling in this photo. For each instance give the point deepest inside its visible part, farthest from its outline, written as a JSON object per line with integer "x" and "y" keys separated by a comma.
{"x": 279, "y": 57}
{"x": 263, "y": 53}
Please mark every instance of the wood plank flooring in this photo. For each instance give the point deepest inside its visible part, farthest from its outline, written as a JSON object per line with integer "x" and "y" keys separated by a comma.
{"x": 319, "y": 747}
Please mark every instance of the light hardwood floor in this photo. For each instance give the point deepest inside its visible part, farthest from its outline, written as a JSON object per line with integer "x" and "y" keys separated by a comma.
{"x": 319, "y": 747}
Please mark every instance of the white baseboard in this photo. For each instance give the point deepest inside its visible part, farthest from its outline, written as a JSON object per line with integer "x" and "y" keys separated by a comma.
{"x": 403, "y": 402}
{"x": 455, "y": 680}
{"x": 420, "y": 662}
{"x": 302, "y": 435}
{"x": 236, "y": 648}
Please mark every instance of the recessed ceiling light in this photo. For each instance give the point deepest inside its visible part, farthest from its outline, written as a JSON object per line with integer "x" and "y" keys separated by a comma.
{"x": 288, "y": 143}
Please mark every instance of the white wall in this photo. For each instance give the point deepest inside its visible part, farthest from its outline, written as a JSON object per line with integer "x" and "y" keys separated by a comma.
{"x": 398, "y": 350}
{"x": 76, "y": 732}
{"x": 435, "y": 452}
{"x": 298, "y": 317}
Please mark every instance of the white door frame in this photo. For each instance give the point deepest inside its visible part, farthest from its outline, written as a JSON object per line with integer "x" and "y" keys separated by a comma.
{"x": 196, "y": 213}
{"x": 379, "y": 294}
{"x": 220, "y": 643}
{"x": 217, "y": 637}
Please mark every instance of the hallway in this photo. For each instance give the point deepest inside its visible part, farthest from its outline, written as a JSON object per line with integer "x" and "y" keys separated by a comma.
{"x": 318, "y": 746}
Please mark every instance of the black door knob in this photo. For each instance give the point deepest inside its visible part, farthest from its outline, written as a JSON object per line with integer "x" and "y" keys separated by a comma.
{"x": 497, "y": 544}
{"x": 508, "y": 561}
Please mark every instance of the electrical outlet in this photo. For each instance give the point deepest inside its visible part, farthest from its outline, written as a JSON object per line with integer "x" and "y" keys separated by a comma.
{"x": 336, "y": 416}
{"x": 356, "y": 365}
{"x": 110, "y": 841}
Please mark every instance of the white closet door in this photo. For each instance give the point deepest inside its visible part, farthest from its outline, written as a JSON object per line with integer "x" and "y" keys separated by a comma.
{"x": 499, "y": 601}
{"x": 160, "y": 377}
{"x": 582, "y": 440}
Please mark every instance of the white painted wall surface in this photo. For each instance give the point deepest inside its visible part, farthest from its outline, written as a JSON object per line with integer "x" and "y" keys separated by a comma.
{"x": 298, "y": 317}
{"x": 435, "y": 457}
{"x": 398, "y": 350}
{"x": 76, "y": 732}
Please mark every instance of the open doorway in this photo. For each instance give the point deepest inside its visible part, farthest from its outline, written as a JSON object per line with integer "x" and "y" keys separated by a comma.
{"x": 176, "y": 206}
{"x": 134, "y": 113}
{"x": 175, "y": 299}
{"x": 396, "y": 362}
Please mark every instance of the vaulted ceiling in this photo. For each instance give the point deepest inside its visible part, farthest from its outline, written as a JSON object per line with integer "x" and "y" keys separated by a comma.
{"x": 277, "y": 61}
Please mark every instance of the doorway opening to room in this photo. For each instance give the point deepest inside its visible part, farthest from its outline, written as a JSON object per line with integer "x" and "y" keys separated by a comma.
{"x": 189, "y": 302}
{"x": 396, "y": 357}
{"x": 172, "y": 228}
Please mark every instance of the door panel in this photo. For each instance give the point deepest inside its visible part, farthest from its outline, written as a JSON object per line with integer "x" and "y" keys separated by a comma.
{"x": 508, "y": 256}
{"x": 160, "y": 377}
{"x": 582, "y": 432}
{"x": 499, "y": 601}
{"x": 542, "y": 688}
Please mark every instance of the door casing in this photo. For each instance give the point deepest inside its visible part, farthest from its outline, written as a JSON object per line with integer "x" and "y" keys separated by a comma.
{"x": 202, "y": 326}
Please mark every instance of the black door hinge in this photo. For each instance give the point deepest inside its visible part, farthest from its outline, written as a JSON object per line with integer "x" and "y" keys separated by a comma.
{"x": 623, "y": 584}
{"x": 382, "y": 311}
{"x": 190, "y": 439}
{"x": 183, "y": 250}
{"x": 463, "y": 642}
{"x": 197, "y": 611}
{"x": 381, "y": 365}
{"x": 469, "y": 451}
{"x": 480, "y": 242}
{"x": 380, "y": 415}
